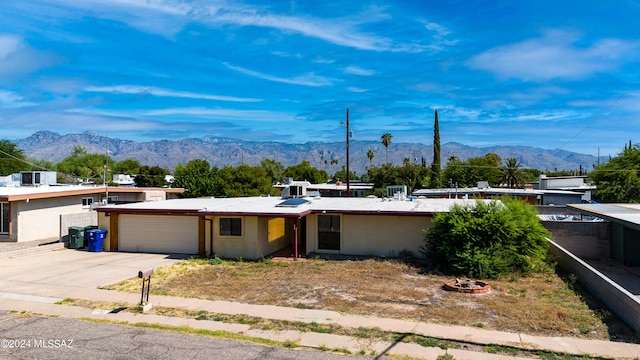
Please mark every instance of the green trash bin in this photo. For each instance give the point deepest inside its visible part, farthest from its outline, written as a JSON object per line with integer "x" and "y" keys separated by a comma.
{"x": 76, "y": 237}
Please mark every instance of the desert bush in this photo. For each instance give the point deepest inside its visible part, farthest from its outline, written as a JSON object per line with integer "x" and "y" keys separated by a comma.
{"x": 488, "y": 240}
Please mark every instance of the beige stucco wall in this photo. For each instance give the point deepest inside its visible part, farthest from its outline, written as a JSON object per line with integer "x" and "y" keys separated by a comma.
{"x": 274, "y": 235}
{"x": 373, "y": 235}
{"x": 104, "y": 223}
{"x": 245, "y": 246}
{"x": 40, "y": 219}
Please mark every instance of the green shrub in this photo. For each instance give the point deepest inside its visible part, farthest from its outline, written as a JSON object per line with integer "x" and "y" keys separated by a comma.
{"x": 488, "y": 240}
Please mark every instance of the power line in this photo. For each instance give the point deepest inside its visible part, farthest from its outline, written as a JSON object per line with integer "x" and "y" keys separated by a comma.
{"x": 601, "y": 114}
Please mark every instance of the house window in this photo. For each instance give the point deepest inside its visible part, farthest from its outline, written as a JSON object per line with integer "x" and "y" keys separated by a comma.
{"x": 4, "y": 215}
{"x": 86, "y": 202}
{"x": 329, "y": 232}
{"x": 230, "y": 227}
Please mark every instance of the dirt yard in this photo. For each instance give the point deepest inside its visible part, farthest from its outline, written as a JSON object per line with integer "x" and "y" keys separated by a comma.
{"x": 543, "y": 304}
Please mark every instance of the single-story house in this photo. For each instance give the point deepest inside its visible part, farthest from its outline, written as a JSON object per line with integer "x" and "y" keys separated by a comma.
{"x": 625, "y": 229}
{"x": 30, "y": 213}
{"x": 330, "y": 189}
{"x": 527, "y": 194}
{"x": 254, "y": 227}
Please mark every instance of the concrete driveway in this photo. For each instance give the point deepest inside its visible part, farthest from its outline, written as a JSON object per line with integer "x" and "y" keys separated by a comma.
{"x": 65, "y": 273}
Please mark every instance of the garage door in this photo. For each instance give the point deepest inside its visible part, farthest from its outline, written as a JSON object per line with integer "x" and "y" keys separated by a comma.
{"x": 158, "y": 234}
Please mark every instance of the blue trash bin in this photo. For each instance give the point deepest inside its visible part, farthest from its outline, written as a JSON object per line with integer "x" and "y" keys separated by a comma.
{"x": 95, "y": 239}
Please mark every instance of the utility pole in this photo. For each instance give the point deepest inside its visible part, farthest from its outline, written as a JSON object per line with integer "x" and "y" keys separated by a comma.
{"x": 348, "y": 172}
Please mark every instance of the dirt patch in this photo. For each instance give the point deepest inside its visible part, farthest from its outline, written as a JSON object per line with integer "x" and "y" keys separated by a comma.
{"x": 541, "y": 304}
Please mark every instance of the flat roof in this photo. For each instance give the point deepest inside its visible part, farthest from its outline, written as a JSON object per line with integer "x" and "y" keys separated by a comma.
{"x": 16, "y": 193}
{"x": 267, "y": 206}
{"x": 490, "y": 190}
{"x": 622, "y": 213}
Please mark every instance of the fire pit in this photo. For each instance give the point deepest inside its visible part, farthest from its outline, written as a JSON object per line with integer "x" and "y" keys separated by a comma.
{"x": 467, "y": 286}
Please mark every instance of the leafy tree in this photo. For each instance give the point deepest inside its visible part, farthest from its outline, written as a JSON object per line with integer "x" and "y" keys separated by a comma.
{"x": 127, "y": 166}
{"x": 511, "y": 173}
{"x": 455, "y": 171}
{"x": 489, "y": 240}
{"x": 12, "y": 158}
{"x": 469, "y": 173}
{"x": 370, "y": 156}
{"x": 274, "y": 170}
{"x": 245, "y": 180}
{"x": 198, "y": 178}
{"x": 386, "y": 141}
{"x": 436, "y": 171}
{"x": 151, "y": 176}
{"x": 530, "y": 175}
{"x": 619, "y": 180}
{"x": 411, "y": 175}
{"x": 90, "y": 167}
{"x": 342, "y": 175}
{"x": 304, "y": 171}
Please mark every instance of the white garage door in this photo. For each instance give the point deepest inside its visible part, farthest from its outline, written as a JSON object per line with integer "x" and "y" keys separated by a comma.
{"x": 158, "y": 234}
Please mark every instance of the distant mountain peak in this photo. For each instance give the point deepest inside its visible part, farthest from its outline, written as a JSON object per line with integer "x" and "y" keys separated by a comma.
{"x": 220, "y": 152}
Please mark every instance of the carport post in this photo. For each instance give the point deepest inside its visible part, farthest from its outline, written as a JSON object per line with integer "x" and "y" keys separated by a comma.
{"x": 295, "y": 240}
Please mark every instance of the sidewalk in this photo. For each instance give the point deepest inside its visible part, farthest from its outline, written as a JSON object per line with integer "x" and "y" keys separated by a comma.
{"x": 42, "y": 301}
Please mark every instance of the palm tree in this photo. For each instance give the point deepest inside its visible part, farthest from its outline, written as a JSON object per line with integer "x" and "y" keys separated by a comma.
{"x": 370, "y": 155}
{"x": 386, "y": 141}
{"x": 511, "y": 173}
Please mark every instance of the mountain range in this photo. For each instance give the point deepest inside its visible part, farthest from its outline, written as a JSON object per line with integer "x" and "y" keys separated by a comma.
{"x": 331, "y": 157}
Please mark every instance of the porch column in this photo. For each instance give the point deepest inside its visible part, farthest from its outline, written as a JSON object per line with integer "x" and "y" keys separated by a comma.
{"x": 295, "y": 240}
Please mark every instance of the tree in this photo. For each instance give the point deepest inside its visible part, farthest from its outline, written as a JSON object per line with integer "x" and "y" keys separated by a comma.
{"x": 488, "y": 240}
{"x": 12, "y": 159}
{"x": 304, "y": 171}
{"x": 411, "y": 175}
{"x": 386, "y": 141}
{"x": 198, "y": 178}
{"x": 245, "y": 180}
{"x": 274, "y": 170}
{"x": 127, "y": 166}
{"x": 370, "y": 155}
{"x": 342, "y": 175}
{"x": 618, "y": 180}
{"x": 470, "y": 172}
{"x": 511, "y": 174}
{"x": 436, "y": 172}
{"x": 80, "y": 164}
{"x": 151, "y": 176}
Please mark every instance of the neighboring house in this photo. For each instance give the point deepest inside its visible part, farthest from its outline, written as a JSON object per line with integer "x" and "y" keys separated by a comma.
{"x": 330, "y": 189}
{"x": 624, "y": 229}
{"x": 566, "y": 183}
{"x": 43, "y": 212}
{"x": 528, "y": 194}
{"x": 254, "y": 227}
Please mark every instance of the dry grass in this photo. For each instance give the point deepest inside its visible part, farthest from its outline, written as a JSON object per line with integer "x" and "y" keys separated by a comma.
{"x": 541, "y": 304}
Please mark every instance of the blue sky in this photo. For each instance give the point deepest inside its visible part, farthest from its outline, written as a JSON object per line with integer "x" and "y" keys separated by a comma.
{"x": 552, "y": 74}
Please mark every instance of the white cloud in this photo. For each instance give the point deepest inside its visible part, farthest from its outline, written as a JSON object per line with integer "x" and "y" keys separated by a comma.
{"x": 17, "y": 58}
{"x": 9, "y": 44}
{"x": 10, "y": 99}
{"x": 554, "y": 55}
{"x": 132, "y": 89}
{"x": 356, "y": 89}
{"x": 355, "y": 70}
{"x": 224, "y": 114}
{"x": 309, "y": 79}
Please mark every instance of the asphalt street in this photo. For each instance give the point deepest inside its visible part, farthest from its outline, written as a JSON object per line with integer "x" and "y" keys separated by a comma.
{"x": 37, "y": 337}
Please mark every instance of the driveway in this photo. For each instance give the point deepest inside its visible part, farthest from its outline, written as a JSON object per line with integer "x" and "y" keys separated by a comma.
{"x": 64, "y": 272}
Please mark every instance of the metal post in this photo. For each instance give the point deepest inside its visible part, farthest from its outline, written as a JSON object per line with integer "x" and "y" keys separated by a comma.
{"x": 295, "y": 240}
{"x": 348, "y": 172}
